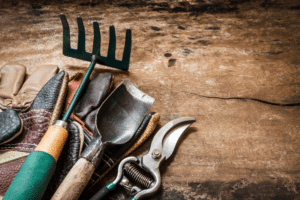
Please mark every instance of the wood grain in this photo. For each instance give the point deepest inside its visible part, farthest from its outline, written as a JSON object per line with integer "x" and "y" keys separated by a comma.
{"x": 76, "y": 180}
{"x": 233, "y": 65}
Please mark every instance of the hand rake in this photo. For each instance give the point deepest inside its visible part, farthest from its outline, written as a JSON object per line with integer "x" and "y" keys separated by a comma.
{"x": 95, "y": 56}
{"x": 80, "y": 52}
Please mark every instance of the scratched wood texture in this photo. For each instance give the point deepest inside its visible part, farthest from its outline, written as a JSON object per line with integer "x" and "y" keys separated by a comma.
{"x": 233, "y": 65}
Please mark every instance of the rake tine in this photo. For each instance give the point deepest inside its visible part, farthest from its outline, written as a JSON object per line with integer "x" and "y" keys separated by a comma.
{"x": 95, "y": 56}
{"x": 97, "y": 39}
{"x": 127, "y": 48}
{"x": 81, "y": 36}
{"x": 112, "y": 43}
{"x": 66, "y": 34}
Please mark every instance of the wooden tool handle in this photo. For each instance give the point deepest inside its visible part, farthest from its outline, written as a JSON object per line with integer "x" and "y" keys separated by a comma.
{"x": 76, "y": 180}
{"x": 53, "y": 141}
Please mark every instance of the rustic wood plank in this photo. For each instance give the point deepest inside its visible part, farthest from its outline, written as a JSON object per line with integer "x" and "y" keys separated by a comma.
{"x": 233, "y": 65}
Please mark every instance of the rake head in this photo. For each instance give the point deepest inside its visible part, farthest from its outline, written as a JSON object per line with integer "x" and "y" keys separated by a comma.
{"x": 81, "y": 53}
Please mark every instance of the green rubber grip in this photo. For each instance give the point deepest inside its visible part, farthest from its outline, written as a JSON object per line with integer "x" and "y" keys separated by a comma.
{"x": 33, "y": 177}
{"x": 104, "y": 191}
{"x": 110, "y": 186}
{"x": 133, "y": 198}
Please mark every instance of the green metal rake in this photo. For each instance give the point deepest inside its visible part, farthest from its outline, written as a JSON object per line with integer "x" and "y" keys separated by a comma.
{"x": 80, "y": 52}
{"x": 95, "y": 56}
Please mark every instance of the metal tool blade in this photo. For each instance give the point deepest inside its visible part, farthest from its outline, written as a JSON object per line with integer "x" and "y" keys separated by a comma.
{"x": 172, "y": 138}
{"x": 164, "y": 148}
{"x": 121, "y": 114}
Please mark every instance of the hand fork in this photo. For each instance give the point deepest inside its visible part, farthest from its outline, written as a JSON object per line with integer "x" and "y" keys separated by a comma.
{"x": 94, "y": 57}
{"x": 162, "y": 147}
{"x": 81, "y": 53}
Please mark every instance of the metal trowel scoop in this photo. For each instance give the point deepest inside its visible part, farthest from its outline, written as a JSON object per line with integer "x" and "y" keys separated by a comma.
{"x": 116, "y": 122}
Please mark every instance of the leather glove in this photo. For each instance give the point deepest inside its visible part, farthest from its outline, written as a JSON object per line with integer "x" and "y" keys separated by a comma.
{"x": 81, "y": 123}
{"x": 17, "y": 94}
{"x": 38, "y": 115}
{"x": 85, "y": 110}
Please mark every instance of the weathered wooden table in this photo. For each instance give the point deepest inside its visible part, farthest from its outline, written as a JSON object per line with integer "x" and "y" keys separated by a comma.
{"x": 233, "y": 65}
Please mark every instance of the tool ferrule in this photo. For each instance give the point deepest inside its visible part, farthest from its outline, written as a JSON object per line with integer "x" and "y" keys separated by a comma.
{"x": 94, "y": 152}
{"x": 61, "y": 123}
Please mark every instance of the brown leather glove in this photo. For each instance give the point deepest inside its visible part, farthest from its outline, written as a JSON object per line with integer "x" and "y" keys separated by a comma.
{"x": 17, "y": 94}
{"x": 93, "y": 96}
{"x": 42, "y": 111}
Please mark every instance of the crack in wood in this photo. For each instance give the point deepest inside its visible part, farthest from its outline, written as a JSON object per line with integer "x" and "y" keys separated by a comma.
{"x": 243, "y": 99}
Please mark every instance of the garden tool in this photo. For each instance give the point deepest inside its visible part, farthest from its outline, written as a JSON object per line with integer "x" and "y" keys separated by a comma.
{"x": 45, "y": 108}
{"x": 26, "y": 185}
{"x": 162, "y": 147}
{"x": 116, "y": 122}
{"x": 69, "y": 156}
{"x": 95, "y": 56}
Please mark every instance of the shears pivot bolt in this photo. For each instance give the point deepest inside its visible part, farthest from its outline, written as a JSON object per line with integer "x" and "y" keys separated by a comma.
{"x": 156, "y": 154}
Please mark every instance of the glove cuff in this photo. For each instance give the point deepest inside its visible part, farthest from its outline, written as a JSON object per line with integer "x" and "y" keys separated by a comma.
{"x": 96, "y": 91}
{"x": 60, "y": 100}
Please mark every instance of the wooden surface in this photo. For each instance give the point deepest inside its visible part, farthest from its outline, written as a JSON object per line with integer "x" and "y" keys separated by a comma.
{"x": 233, "y": 65}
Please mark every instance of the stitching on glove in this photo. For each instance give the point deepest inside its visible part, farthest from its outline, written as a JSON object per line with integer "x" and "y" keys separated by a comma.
{"x": 16, "y": 148}
{"x": 19, "y": 144}
{"x": 58, "y": 107}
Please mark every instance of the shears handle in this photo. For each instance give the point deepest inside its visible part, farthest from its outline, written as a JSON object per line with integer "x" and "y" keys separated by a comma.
{"x": 104, "y": 191}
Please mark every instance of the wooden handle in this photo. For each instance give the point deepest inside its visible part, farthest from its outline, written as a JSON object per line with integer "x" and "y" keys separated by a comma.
{"x": 53, "y": 141}
{"x": 76, "y": 180}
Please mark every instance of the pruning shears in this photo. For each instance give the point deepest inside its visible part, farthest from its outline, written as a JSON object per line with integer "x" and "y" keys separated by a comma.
{"x": 162, "y": 147}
